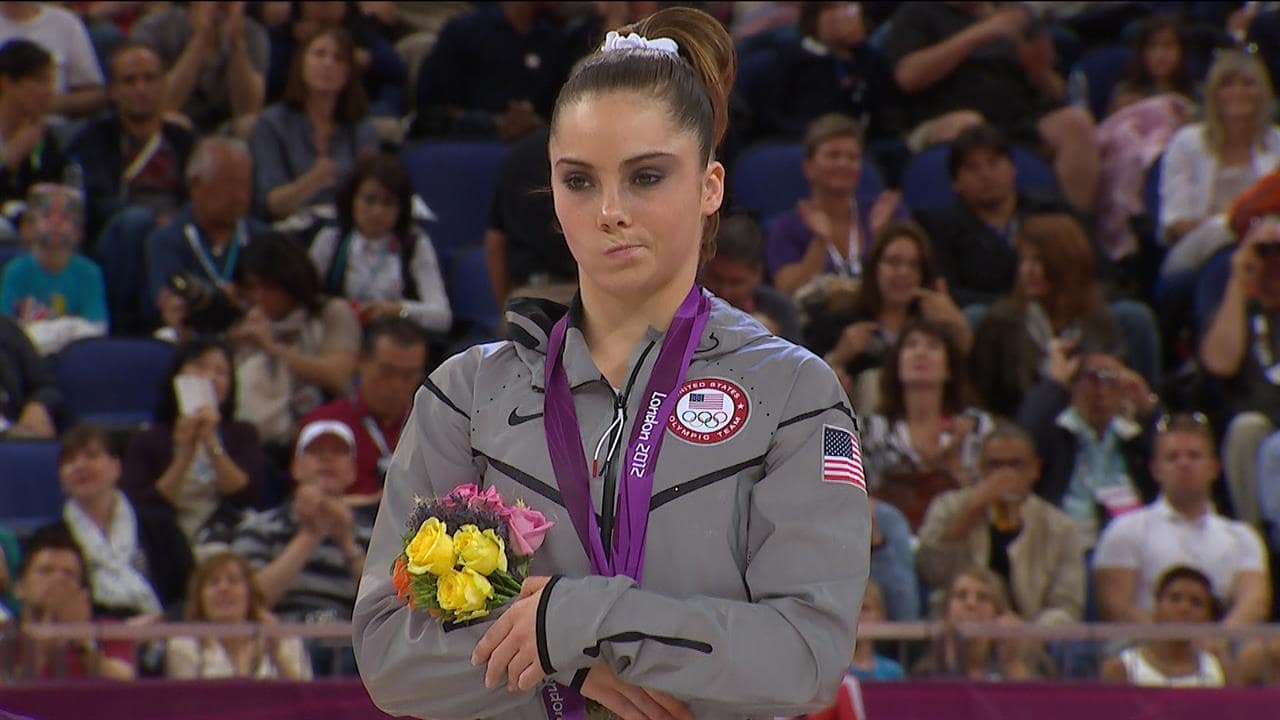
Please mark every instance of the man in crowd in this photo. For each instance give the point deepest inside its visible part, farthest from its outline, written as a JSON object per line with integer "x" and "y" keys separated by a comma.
{"x": 999, "y": 523}
{"x": 1181, "y": 528}
{"x": 29, "y": 393}
{"x": 393, "y": 358}
{"x": 77, "y": 78}
{"x": 736, "y": 275}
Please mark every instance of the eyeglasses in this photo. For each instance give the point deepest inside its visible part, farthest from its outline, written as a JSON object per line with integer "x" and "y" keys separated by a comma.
{"x": 1102, "y": 376}
{"x": 1197, "y": 421}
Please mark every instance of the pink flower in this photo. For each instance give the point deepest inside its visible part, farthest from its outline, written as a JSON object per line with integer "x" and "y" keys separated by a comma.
{"x": 488, "y": 500}
{"x": 461, "y": 494}
{"x": 527, "y": 529}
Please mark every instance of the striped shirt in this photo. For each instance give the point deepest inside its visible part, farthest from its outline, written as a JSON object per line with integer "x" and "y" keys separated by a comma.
{"x": 324, "y": 590}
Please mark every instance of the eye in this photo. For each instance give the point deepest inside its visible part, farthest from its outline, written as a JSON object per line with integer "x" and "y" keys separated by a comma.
{"x": 647, "y": 178}
{"x": 576, "y": 182}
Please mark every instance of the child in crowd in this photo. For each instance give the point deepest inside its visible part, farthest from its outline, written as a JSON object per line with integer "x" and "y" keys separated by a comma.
{"x": 867, "y": 664}
{"x": 55, "y": 293}
{"x": 1183, "y": 595}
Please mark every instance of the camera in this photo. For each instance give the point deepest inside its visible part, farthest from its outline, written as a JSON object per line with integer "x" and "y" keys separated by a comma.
{"x": 210, "y": 311}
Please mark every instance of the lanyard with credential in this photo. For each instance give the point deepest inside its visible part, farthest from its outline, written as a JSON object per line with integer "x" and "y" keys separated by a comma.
{"x": 569, "y": 462}
{"x": 139, "y": 161}
{"x": 206, "y": 260}
{"x": 379, "y": 442}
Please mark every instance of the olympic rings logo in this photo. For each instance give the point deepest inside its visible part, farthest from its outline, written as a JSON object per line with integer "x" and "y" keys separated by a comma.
{"x": 704, "y": 418}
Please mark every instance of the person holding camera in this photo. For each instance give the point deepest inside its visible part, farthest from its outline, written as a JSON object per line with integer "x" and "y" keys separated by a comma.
{"x": 1241, "y": 350}
{"x": 205, "y": 239}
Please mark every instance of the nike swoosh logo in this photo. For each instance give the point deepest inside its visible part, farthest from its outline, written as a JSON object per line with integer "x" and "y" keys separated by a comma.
{"x": 515, "y": 418}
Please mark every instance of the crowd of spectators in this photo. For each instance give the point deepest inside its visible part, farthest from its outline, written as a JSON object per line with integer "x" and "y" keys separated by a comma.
{"x": 1069, "y": 396}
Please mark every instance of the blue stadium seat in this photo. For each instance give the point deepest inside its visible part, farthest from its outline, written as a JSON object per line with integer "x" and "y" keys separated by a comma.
{"x": 471, "y": 296}
{"x": 1097, "y": 73}
{"x": 457, "y": 180}
{"x": 769, "y": 178}
{"x": 113, "y": 381}
{"x": 9, "y": 251}
{"x": 30, "y": 494}
{"x": 926, "y": 183}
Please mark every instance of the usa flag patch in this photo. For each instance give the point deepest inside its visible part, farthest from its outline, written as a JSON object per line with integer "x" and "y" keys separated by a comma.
{"x": 842, "y": 457}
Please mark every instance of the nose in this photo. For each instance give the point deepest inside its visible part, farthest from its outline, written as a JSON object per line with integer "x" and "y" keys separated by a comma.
{"x": 613, "y": 213}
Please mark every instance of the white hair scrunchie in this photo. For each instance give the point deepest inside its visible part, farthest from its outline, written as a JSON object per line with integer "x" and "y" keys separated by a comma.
{"x": 614, "y": 41}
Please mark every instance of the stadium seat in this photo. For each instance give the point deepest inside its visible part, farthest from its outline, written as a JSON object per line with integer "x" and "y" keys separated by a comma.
{"x": 30, "y": 494}
{"x": 9, "y": 251}
{"x": 113, "y": 381}
{"x": 471, "y": 295}
{"x": 769, "y": 178}
{"x": 1094, "y": 77}
{"x": 457, "y": 180}
{"x": 926, "y": 183}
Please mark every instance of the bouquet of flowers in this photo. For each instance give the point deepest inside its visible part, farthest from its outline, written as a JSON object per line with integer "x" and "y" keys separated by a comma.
{"x": 466, "y": 554}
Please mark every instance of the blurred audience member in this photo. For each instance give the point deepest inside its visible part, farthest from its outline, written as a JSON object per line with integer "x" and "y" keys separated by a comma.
{"x": 10, "y": 557}
{"x": 1183, "y": 595}
{"x": 893, "y": 566}
{"x": 866, "y": 663}
{"x": 132, "y": 157}
{"x": 54, "y": 292}
{"x": 1181, "y": 528}
{"x": 854, "y": 330}
{"x": 830, "y": 68}
{"x": 926, "y": 438}
{"x": 1000, "y": 524}
{"x": 1159, "y": 63}
{"x": 216, "y": 60}
{"x": 1056, "y": 296}
{"x": 393, "y": 359}
{"x": 308, "y": 553}
{"x": 376, "y": 255}
{"x": 137, "y": 558}
{"x": 377, "y": 64}
{"x": 223, "y": 590}
{"x": 1090, "y": 417}
{"x": 205, "y": 239}
{"x": 961, "y": 64}
{"x": 1241, "y": 349}
{"x": 196, "y": 461}
{"x": 1208, "y": 164}
{"x": 309, "y": 141}
{"x": 29, "y": 395}
{"x": 53, "y": 586}
{"x": 976, "y": 594}
{"x": 526, "y": 255}
{"x": 736, "y": 274}
{"x": 295, "y": 346}
{"x": 829, "y": 232}
{"x": 32, "y": 153}
{"x": 77, "y": 77}
{"x": 493, "y": 72}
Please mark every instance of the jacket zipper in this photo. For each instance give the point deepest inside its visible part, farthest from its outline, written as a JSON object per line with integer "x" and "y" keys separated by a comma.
{"x": 607, "y": 499}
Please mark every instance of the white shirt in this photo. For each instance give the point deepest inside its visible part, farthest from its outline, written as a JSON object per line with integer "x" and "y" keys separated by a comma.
{"x": 1157, "y": 537}
{"x": 188, "y": 658}
{"x": 1208, "y": 672}
{"x": 61, "y": 33}
{"x": 1190, "y": 167}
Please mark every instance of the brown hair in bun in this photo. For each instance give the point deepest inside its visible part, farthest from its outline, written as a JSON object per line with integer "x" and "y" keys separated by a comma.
{"x": 695, "y": 86}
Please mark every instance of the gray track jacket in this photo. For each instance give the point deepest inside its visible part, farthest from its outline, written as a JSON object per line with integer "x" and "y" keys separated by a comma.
{"x": 754, "y": 566}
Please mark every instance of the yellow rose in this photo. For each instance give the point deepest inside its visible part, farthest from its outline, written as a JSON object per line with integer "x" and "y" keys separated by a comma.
{"x": 431, "y": 550}
{"x": 483, "y": 552}
{"x": 464, "y": 592}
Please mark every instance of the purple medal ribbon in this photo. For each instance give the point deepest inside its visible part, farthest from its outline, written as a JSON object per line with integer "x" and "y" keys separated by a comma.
{"x": 569, "y": 462}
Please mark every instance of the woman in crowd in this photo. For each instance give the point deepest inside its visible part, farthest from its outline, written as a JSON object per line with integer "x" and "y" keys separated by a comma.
{"x": 855, "y": 332}
{"x": 223, "y": 591}
{"x": 1209, "y": 163}
{"x": 925, "y": 438}
{"x": 1056, "y": 295}
{"x": 1159, "y": 63}
{"x": 1183, "y": 595}
{"x": 305, "y": 144}
{"x": 138, "y": 559}
{"x": 295, "y": 346}
{"x": 829, "y": 232}
{"x": 196, "y": 460}
{"x": 376, "y": 255}
{"x": 867, "y": 664}
{"x": 977, "y": 595}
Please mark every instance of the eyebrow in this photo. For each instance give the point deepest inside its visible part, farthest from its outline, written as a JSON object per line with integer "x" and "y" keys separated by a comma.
{"x": 656, "y": 154}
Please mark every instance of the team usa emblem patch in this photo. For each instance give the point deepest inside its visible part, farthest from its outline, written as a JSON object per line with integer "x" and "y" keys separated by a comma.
{"x": 709, "y": 411}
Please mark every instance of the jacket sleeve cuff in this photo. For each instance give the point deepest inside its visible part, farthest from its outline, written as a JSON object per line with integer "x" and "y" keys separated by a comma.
{"x": 570, "y": 614}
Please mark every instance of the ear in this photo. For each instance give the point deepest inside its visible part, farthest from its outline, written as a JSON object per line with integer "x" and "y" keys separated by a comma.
{"x": 712, "y": 188}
